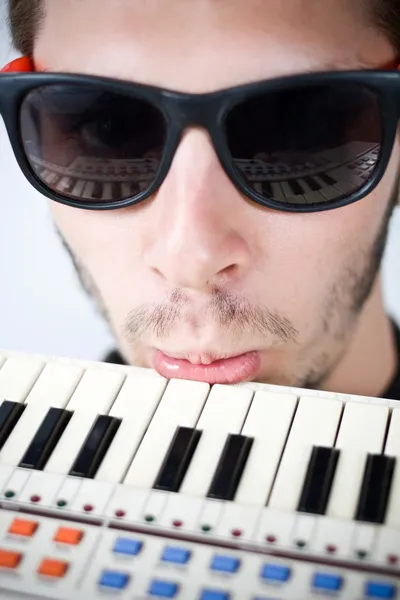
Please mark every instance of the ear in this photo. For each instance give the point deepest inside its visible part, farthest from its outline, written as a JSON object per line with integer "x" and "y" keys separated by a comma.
{"x": 23, "y": 64}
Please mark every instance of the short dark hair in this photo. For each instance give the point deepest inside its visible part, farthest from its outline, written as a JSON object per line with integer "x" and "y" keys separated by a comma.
{"x": 25, "y": 17}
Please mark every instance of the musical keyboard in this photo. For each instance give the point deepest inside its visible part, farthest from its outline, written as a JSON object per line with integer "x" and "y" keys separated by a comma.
{"x": 115, "y": 482}
{"x": 320, "y": 177}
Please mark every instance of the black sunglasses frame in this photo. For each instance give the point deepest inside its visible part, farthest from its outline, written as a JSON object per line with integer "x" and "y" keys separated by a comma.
{"x": 209, "y": 110}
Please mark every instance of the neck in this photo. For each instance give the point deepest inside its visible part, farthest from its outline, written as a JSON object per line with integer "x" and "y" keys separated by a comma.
{"x": 370, "y": 361}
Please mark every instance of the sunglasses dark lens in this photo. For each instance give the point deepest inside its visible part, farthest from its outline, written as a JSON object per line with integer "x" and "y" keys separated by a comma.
{"x": 308, "y": 145}
{"x": 90, "y": 144}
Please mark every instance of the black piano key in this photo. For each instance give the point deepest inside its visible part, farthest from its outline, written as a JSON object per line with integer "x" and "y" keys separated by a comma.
{"x": 312, "y": 183}
{"x": 327, "y": 178}
{"x": 375, "y": 488}
{"x": 177, "y": 459}
{"x": 230, "y": 467}
{"x": 295, "y": 187}
{"x": 318, "y": 480}
{"x": 267, "y": 189}
{"x": 10, "y": 413}
{"x": 46, "y": 438}
{"x": 95, "y": 446}
{"x": 97, "y": 192}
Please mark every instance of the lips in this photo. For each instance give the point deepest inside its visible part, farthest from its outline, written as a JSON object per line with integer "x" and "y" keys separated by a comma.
{"x": 234, "y": 369}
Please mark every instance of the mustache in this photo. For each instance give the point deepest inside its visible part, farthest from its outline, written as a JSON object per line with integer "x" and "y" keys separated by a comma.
{"x": 230, "y": 312}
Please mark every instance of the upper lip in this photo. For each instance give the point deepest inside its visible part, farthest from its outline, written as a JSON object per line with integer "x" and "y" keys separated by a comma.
{"x": 201, "y": 357}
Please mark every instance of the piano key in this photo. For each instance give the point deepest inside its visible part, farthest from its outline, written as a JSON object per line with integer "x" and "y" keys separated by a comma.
{"x": 88, "y": 190}
{"x": 135, "y": 405}
{"x": 107, "y": 191}
{"x": 290, "y": 196}
{"x": 126, "y": 189}
{"x": 71, "y": 442}
{"x": 346, "y": 179}
{"x": 224, "y": 412}
{"x": 277, "y": 191}
{"x": 318, "y": 480}
{"x": 329, "y": 192}
{"x": 180, "y": 405}
{"x": 315, "y": 424}
{"x": 374, "y": 495}
{"x": 392, "y": 448}
{"x": 268, "y": 422}
{"x": 45, "y": 439}
{"x": 355, "y": 442}
{"x": 17, "y": 377}
{"x": 311, "y": 190}
{"x": 66, "y": 184}
{"x": 97, "y": 390}
{"x": 230, "y": 467}
{"x": 78, "y": 187}
{"x": 10, "y": 413}
{"x": 54, "y": 387}
{"x": 95, "y": 446}
{"x": 177, "y": 459}
{"x": 97, "y": 192}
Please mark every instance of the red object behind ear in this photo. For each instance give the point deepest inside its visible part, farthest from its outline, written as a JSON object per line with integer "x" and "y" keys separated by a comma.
{"x": 23, "y": 64}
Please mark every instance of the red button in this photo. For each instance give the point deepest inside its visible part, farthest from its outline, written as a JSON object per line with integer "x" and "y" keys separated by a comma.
{"x": 23, "y": 527}
{"x": 52, "y": 568}
{"x": 10, "y": 560}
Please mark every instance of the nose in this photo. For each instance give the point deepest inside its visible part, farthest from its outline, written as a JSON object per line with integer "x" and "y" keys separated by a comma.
{"x": 199, "y": 234}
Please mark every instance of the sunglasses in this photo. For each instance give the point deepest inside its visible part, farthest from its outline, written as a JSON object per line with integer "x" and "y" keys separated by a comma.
{"x": 302, "y": 143}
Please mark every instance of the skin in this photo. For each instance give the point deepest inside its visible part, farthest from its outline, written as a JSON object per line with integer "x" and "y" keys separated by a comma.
{"x": 200, "y": 258}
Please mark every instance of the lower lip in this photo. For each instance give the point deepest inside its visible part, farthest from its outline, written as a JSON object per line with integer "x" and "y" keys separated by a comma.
{"x": 244, "y": 367}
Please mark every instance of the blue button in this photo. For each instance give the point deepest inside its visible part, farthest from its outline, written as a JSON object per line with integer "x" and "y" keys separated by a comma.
{"x": 328, "y": 582}
{"x": 214, "y": 595}
{"x": 127, "y": 546}
{"x": 175, "y": 555}
{"x": 164, "y": 589}
{"x": 227, "y": 564}
{"x": 379, "y": 589}
{"x": 113, "y": 579}
{"x": 275, "y": 572}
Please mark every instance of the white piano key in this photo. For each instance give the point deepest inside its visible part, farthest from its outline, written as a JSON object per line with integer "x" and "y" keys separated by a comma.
{"x": 17, "y": 377}
{"x": 135, "y": 404}
{"x": 180, "y": 405}
{"x": 55, "y": 385}
{"x": 70, "y": 443}
{"x": 290, "y": 195}
{"x": 315, "y": 424}
{"x": 64, "y": 183}
{"x": 97, "y": 390}
{"x": 362, "y": 431}
{"x": 277, "y": 191}
{"x": 268, "y": 422}
{"x": 88, "y": 190}
{"x": 126, "y": 189}
{"x": 328, "y": 191}
{"x": 224, "y": 413}
{"x": 311, "y": 196}
{"x": 78, "y": 187}
{"x": 22, "y": 434}
{"x": 392, "y": 448}
{"x": 107, "y": 191}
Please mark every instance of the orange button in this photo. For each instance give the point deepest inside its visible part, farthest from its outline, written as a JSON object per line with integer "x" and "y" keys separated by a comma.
{"x": 65, "y": 535}
{"x": 10, "y": 560}
{"x": 22, "y": 527}
{"x": 52, "y": 568}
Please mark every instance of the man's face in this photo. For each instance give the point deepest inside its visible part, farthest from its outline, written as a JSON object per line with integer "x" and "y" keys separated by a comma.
{"x": 199, "y": 272}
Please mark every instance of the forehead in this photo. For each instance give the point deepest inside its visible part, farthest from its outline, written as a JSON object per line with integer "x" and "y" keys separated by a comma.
{"x": 203, "y": 45}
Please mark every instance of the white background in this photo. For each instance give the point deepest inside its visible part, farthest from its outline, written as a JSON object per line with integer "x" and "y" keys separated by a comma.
{"x": 42, "y": 308}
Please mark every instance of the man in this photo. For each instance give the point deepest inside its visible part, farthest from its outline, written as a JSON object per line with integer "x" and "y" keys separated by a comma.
{"x": 244, "y": 230}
